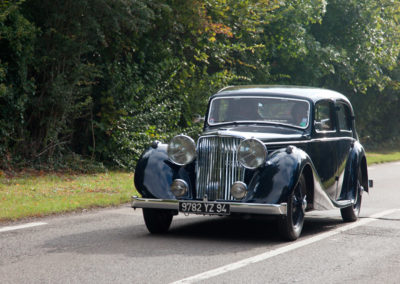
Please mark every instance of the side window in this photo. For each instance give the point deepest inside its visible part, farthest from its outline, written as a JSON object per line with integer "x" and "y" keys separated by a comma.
{"x": 344, "y": 117}
{"x": 324, "y": 117}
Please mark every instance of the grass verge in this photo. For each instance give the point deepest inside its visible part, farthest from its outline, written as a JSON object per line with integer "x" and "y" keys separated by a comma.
{"x": 382, "y": 157}
{"x": 38, "y": 194}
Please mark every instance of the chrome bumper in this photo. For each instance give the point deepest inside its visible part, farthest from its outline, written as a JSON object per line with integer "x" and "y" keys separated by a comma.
{"x": 236, "y": 207}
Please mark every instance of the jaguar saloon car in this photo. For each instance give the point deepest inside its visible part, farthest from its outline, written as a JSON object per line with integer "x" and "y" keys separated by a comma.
{"x": 265, "y": 150}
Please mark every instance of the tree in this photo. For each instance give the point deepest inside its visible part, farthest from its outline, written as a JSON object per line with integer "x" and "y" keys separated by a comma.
{"x": 103, "y": 78}
{"x": 17, "y": 37}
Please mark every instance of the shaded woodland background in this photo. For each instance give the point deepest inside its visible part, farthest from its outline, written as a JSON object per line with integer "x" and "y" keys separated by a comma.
{"x": 92, "y": 82}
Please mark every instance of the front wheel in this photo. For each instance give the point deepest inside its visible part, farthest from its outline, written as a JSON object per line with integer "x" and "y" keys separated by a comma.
{"x": 157, "y": 221}
{"x": 350, "y": 214}
{"x": 291, "y": 225}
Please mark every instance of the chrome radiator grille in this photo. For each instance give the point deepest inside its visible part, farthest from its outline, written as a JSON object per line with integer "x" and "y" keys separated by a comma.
{"x": 217, "y": 167}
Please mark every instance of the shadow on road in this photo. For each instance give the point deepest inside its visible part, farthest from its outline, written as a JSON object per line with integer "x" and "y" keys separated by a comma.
{"x": 260, "y": 230}
{"x": 187, "y": 236}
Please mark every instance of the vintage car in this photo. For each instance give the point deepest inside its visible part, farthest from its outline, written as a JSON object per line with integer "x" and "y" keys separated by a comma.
{"x": 265, "y": 150}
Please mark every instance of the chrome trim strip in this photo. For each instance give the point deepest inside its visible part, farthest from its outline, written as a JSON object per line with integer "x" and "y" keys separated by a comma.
{"x": 225, "y": 88}
{"x": 310, "y": 141}
{"x": 236, "y": 207}
{"x": 227, "y": 135}
{"x": 223, "y": 133}
{"x": 326, "y": 131}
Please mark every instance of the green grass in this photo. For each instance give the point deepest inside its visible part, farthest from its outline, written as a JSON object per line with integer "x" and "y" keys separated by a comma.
{"x": 382, "y": 157}
{"x": 38, "y": 194}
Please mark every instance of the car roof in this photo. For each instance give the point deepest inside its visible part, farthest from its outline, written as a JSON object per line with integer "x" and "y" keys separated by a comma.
{"x": 301, "y": 92}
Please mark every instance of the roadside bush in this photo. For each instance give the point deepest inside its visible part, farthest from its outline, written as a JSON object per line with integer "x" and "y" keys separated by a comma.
{"x": 96, "y": 81}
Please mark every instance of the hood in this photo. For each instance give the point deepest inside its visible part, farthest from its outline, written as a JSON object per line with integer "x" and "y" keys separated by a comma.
{"x": 265, "y": 133}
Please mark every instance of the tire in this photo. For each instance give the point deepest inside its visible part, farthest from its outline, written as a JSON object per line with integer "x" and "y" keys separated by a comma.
{"x": 351, "y": 213}
{"x": 157, "y": 221}
{"x": 291, "y": 225}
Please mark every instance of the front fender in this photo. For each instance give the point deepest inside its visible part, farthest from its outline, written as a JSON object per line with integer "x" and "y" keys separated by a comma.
{"x": 275, "y": 182}
{"x": 154, "y": 173}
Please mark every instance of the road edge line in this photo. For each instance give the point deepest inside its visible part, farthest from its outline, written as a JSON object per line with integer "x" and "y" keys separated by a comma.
{"x": 264, "y": 256}
{"x": 24, "y": 226}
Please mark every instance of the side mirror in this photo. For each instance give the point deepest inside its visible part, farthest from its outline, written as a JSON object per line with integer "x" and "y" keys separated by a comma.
{"x": 197, "y": 118}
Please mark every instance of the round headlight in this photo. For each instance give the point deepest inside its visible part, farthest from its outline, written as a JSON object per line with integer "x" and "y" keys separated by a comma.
{"x": 239, "y": 190}
{"x": 179, "y": 187}
{"x": 181, "y": 150}
{"x": 252, "y": 153}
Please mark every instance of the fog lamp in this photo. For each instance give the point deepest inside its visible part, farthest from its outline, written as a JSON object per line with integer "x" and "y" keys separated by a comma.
{"x": 239, "y": 190}
{"x": 179, "y": 187}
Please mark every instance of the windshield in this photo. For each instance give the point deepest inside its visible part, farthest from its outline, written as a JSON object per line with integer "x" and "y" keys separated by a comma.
{"x": 286, "y": 111}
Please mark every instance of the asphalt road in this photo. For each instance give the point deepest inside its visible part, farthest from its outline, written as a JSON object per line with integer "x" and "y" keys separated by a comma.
{"x": 113, "y": 245}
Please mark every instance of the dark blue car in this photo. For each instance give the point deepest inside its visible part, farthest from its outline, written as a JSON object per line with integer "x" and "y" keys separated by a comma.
{"x": 265, "y": 150}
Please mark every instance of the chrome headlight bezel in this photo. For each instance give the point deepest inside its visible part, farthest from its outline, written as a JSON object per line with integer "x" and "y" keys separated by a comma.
{"x": 239, "y": 190}
{"x": 179, "y": 187}
{"x": 181, "y": 150}
{"x": 252, "y": 153}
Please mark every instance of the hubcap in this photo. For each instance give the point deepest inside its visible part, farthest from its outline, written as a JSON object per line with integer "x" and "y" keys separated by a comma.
{"x": 299, "y": 205}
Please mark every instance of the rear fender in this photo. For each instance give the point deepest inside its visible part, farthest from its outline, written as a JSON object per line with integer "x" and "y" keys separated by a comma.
{"x": 356, "y": 159}
{"x": 154, "y": 174}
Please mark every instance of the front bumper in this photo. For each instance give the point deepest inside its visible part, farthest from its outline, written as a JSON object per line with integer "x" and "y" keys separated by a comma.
{"x": 236, "y": 207}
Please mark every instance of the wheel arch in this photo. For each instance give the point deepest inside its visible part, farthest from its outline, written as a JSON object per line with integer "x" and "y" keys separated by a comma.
{"x": 309, "y": 177}
{"x": 364, "y": 173}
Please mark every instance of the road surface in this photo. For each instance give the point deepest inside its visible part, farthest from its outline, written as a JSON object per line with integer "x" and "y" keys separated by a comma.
{"x": 113, "y": 245}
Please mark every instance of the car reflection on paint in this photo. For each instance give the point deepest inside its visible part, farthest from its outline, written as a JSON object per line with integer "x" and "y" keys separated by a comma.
{"x": 265, "y": 150}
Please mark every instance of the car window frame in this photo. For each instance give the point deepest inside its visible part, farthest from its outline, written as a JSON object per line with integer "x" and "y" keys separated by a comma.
{"x": 350, "y": 118}
{"x": 261, "y": 122}
{"x": 332, "y": 113}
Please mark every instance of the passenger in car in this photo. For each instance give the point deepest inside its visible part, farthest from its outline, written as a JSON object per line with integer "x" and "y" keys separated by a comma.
{"x": 299, "y": 114}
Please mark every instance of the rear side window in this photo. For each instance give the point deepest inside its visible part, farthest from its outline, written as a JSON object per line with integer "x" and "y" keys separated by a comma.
{"x": 344, "y": 117}
{"x": 324, "y": 118}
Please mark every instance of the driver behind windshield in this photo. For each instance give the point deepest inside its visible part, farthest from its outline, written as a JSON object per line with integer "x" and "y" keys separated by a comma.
{"x": 299, "y": 114}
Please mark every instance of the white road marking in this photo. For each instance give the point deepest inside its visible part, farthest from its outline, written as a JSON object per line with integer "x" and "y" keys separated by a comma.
{"x": 28, "y": 225}
{"x": 281, "y": 250}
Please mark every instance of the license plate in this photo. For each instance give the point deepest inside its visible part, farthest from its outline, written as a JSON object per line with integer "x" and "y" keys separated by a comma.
{"x": 213, "y": 208}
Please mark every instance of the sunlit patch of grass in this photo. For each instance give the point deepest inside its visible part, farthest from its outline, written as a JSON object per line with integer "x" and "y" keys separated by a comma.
{"x": 382, "y": 157}
{"x": 42, "y": 194}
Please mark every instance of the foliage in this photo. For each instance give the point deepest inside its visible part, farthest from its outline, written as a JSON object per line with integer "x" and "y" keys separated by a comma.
{"x": 363, "y": 35}
{"x": 17, "y": 36}
{"x": 98, "y": 80}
